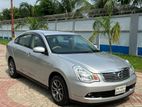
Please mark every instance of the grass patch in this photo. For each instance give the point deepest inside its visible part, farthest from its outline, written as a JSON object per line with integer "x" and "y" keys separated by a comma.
{"x": 4, "y": 41}
{"x": 136, "y": 61}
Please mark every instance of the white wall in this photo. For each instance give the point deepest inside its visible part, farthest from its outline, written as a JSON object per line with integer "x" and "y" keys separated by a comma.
{"x": 84, "y": 27}
{"x": 140, "y": 23}
{"x": 124, "y": 22}
{"x": 65, "y": 25}
{"x": 140, "y": 40}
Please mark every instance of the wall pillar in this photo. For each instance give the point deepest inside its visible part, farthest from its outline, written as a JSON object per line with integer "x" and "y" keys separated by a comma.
{"x": 133, "y": 50}
{"x": 98, "y": 42}
{"x": 73, "y": 27}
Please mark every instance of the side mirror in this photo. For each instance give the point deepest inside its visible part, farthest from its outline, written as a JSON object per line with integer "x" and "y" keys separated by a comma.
{"x": 39, "y": 49}
{"x": 98, "y": 50}
{"x": 95, "y": 46}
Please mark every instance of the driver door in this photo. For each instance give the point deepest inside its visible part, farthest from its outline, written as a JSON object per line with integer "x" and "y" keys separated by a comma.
{"x": 39, "y": 66}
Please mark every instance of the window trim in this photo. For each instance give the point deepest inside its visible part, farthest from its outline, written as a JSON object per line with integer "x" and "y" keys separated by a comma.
{"x": 36, "y": 34}
{"x": 32, "y": 34}
{"x": 26, "y": 34}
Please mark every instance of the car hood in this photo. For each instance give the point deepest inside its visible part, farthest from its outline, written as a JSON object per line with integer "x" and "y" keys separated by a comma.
{"x": 96, "y": 62}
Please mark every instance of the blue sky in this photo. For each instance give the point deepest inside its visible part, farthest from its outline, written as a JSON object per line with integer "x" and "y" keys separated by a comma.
{"x": 6, "y": 3}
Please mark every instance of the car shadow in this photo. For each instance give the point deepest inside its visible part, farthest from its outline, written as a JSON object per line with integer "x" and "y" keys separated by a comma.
{"x": 107, "y": 104}
{"x": 45, "y": 92}
{"x": 31, "y": 84}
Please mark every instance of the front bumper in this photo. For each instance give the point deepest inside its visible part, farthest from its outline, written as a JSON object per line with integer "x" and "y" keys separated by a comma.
{"x": 79, "y": 91}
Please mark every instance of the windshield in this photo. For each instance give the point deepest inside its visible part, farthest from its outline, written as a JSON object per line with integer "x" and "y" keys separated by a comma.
{"x": 67, "y": 44}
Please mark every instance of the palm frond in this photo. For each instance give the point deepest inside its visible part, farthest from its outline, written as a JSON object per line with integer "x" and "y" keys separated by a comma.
{"x": 115, "y": 32}
{"x": 97, "y": 28}
{"x": 82, "y": 7}
{"x": 20, "y": 24}
{"x": 33, "y": 23}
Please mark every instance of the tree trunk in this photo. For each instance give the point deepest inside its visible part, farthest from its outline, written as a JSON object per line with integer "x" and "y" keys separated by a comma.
{"x": 110, "y": 45}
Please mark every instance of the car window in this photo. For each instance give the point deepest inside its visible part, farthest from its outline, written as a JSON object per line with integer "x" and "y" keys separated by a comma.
{"x": 24, "y": 40}
{"x": 37, "y": 42}
{"x": 64, "y": 44}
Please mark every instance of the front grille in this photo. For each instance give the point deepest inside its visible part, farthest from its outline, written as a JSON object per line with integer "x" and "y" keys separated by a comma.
{"x": 105, "y": 94}
{"x": 117, "y": 76}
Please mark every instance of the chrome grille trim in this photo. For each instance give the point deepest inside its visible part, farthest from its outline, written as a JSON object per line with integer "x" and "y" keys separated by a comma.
{"x": 117, "y": 76}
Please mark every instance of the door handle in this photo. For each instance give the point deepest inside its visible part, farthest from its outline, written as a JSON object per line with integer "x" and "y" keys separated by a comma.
{"x": 28, "y": 54}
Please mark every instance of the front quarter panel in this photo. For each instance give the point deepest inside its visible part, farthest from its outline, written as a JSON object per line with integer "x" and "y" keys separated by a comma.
{"x": 63, "y": 67}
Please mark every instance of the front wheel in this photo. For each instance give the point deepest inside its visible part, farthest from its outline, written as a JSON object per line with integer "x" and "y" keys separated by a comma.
{"x": 59, "y": 91}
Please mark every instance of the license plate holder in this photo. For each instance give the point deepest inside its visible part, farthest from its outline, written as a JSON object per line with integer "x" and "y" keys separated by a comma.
{"x": 120, "y": 90}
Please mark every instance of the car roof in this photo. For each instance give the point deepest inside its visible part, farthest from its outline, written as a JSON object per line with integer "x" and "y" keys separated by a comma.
{"x": 47, "y": 32}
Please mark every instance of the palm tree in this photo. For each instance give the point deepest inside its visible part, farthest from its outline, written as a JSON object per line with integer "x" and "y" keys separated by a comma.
{"x": 27, "y": 8}
{"x": 47, "y": 7}
{"x": 6, "y": 14}
{"x": 124, "y": 2}
{"x": 102, "y": 3}
{"x": 33, "y": 23}
{"x": 103, "y": 25}
{"x": 1, "y": 17}
{"x": 137, "y": 3}
{"x": 63, "y": 6}
{"x": 68, "y": 5}
{"x": 84, "y": 6}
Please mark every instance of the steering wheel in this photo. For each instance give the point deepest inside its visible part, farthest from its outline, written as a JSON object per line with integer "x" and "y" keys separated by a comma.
{"x": 56, "y": 47}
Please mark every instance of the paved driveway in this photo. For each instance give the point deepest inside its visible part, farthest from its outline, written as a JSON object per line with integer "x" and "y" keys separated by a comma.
{"x": 24, "y": 93}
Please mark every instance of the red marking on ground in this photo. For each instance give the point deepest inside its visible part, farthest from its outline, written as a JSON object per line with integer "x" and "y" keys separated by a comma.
{"x": 6, "y": 79}
{"x": 5, "y": 101}
{"x": 2, "y": 56}
{"x": 2, "y": 65}
{"x": 2, "y": 50}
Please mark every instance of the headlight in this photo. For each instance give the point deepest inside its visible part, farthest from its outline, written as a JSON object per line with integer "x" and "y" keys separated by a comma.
{"x": 132, "y": 71}
{"x": 84, "y": 75}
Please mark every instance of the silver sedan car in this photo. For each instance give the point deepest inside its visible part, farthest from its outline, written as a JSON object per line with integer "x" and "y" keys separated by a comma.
{"x": 70, "y": 66}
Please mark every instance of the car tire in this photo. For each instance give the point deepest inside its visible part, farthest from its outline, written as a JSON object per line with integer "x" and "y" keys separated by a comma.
{"x": 59, "y": 91}
{"x": 12, "y": 69}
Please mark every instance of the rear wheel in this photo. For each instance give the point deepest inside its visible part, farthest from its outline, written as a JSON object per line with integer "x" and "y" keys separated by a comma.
{"x": 12, "y": 69}
{"x": 59, "y": 91}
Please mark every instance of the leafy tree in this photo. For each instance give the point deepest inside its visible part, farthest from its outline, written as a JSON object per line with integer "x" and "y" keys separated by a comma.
{"x": 100, "y": 3}
{"x": 1, "y": 17}
{"x": 6, "y": 14}
{"x": 124, "y": 2}
{"x": 27, "y": 9}
{"x": 68, "y": 5}
{"x": 56, "y": 6}
{"x": 33, "y": 23}
{"x": 137, "y": 3}
{"x": 47, "y": 7}
{"x": 16, "y": 13}
{"x": 103, "y": 25}
{"x": 83, "y": 7}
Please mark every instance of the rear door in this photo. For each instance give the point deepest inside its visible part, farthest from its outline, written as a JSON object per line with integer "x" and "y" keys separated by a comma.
{"x": 21, "y": 52}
